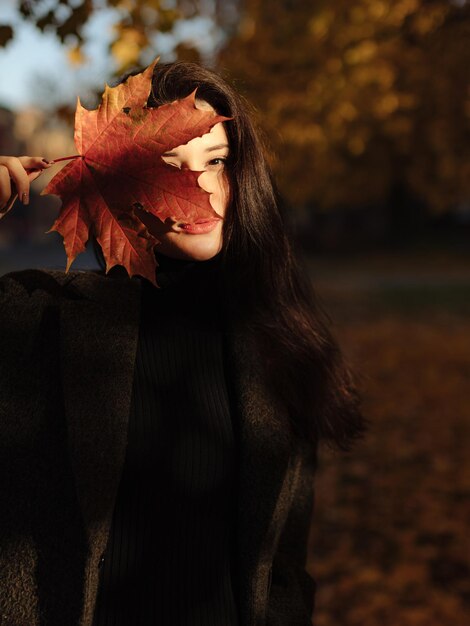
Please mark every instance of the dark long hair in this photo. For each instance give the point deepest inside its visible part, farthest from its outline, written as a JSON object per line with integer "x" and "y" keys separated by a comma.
{"x": 267, "y": 288}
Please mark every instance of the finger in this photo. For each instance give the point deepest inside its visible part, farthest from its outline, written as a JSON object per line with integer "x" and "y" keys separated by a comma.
{"x": 32, "y": 163}
{"x": 33, "y": 174}
{"x": 5, "y": 186}
{"x": 19, "y": 176}
{"x": 10, "y": 202}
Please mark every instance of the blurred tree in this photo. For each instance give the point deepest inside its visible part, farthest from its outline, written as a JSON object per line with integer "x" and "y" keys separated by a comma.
{"x": 136, "y": 23}
{"x": 6, "y": 33}
{"x": 360, "y": 96}
{"x": 191, "y": 30}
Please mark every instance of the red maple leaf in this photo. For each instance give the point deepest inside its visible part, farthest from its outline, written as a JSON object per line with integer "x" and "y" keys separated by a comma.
{"x": 119, "y": 170}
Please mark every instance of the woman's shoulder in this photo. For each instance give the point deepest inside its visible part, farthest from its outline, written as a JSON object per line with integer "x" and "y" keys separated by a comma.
{"x": 26, "y": 284}
{"x": 38, "y": 287}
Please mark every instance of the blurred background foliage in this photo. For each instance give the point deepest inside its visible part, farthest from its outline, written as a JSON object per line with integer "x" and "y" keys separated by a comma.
{"x": 361, "y": 96}
{"x": 133, "y": 30}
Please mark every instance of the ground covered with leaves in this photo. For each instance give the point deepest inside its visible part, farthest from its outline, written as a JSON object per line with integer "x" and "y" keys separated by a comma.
{"x": 389, "y": 543}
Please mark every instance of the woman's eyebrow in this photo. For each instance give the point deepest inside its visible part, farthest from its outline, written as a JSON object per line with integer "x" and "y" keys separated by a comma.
{"x": 218, "y": 147}
{"x": 211, "y": 149}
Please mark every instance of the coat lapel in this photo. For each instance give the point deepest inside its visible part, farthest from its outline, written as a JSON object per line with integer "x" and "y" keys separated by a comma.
{"x": 98, "y": 347}
{"x": 98, "y": 342}
{"x": 265, "y": 476}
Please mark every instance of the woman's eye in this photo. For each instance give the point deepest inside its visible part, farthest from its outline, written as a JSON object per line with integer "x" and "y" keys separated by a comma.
{"x": 218, "y": 161}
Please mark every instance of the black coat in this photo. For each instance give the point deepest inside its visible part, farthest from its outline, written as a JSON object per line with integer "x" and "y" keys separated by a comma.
{"x": 67, "y": 351}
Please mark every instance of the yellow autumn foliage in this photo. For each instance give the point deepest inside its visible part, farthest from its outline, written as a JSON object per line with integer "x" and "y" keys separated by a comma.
{"x": 378, "y": 77}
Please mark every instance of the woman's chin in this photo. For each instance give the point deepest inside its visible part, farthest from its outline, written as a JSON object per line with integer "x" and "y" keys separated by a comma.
{"x": 191, "y": 248}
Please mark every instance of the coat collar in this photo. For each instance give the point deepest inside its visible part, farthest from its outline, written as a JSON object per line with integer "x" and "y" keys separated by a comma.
{"x": 99, "y": 333}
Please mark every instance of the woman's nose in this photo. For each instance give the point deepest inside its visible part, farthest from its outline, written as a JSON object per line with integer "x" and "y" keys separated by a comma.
{"x": 208, "y": 181}
{"x": 205, "y": 180}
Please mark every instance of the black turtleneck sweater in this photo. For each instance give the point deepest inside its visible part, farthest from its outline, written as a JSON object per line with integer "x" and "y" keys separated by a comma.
{"x": 170, "y": 555}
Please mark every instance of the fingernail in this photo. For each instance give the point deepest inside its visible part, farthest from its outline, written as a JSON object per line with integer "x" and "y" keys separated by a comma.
{"x": 24, "y": 198}
{"x": 45, "y": 161}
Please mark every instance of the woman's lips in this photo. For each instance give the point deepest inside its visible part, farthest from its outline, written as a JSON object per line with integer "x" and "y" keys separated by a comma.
{"x": 199, "y": 227}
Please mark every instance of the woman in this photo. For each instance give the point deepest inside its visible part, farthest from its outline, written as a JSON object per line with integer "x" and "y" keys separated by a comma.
{"x": 160, "y": 444}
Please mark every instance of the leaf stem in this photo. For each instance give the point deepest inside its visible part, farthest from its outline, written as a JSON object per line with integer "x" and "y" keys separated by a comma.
{"x": 67, "y": 158}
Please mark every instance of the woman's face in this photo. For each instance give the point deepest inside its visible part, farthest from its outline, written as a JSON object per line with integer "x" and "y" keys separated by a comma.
{"x": 207, "y": 154}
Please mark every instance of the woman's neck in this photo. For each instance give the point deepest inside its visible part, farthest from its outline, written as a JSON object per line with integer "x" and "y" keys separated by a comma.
{"x": 171, "y": 270}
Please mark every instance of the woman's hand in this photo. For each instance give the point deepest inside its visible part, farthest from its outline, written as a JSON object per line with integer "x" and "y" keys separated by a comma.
{"x": 16, "y": 174}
